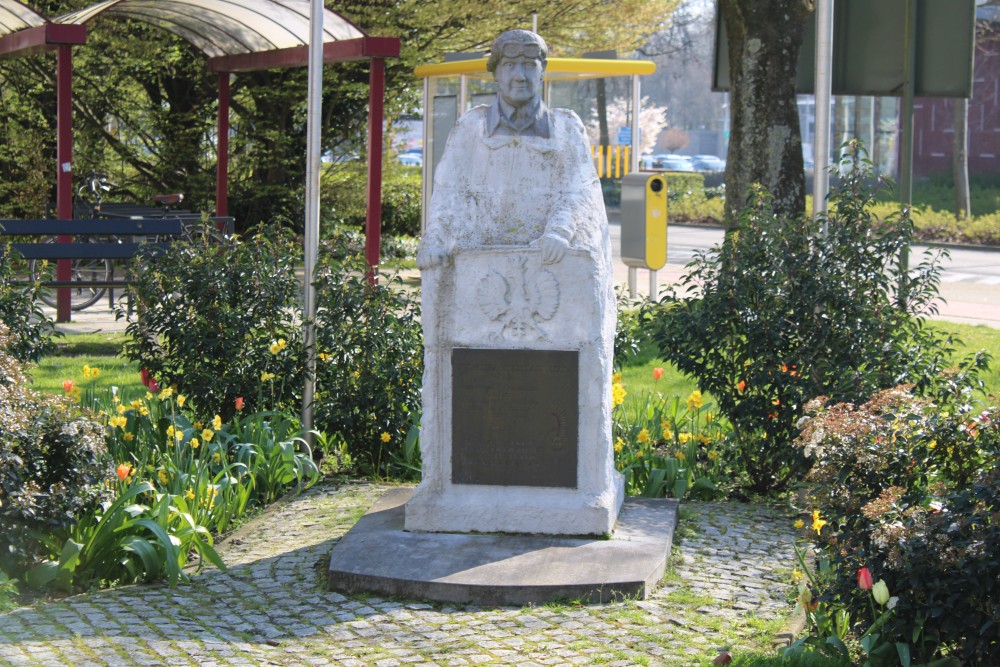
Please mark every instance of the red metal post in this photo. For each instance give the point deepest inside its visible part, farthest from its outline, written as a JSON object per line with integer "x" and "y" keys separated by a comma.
{"x": 376, "y": 108}
{"x": 222, "y": 164}
{"x": 64, "y": 175}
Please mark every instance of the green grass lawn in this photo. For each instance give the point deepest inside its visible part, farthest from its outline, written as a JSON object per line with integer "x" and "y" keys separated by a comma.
{"x": 637, "y": 375}
{"x": 101, "y": 351}
{"x": 74, "y": 351}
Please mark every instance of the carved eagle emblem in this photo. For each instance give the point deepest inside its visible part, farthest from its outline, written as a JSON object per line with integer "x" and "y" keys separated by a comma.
{"x": 519, "y": 298}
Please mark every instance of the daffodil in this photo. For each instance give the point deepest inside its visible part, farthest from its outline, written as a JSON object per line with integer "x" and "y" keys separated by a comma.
{"x": 643, "y": 436}
{"x": 194, "y": 443}
{"x": 818, "y": 523}
{"x": 385, "y": 437}
{"x": 619, "y": 444}
{"x": 181, "y": 399}
{"x": 207, "y": 434}
{"x": 618, "y": 393}
{"x": 694, "y": 401}
{"x": 264, "y": 377}
{"x": 217, "y": 423}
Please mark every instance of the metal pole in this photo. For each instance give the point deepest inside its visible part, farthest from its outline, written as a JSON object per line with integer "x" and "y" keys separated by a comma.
{"x": 906, "y": 146}
{"x": 821, "y": 141}
{"x": 636, "y": 108}
{"x": 311, "y": 239}
{"x": 64, "y": 168}
{"x": 427, "y": 168}
{"x": 222, "y": 147}
{"x": 373, "y": 220}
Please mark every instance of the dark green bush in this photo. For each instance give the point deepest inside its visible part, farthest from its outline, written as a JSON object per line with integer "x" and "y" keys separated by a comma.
{"x": 30, "y": 328}
{"x": 911, "y": 490}
{"x": 792, "y": 309}
{"x": 370, "y": 347}
{"x": 53, "y": 465}
{"x": 206, "y": 317}
{"x": 344, "y": 192}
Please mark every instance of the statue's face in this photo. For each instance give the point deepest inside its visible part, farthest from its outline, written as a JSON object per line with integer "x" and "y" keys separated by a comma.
{"x": 519, "y": 74}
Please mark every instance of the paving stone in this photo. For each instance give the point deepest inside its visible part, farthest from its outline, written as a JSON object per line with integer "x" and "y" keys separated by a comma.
{"x": 270, "y": 607}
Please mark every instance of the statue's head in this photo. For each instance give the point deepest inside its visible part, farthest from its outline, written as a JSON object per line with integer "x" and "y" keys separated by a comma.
{"x": 517, "y": 61}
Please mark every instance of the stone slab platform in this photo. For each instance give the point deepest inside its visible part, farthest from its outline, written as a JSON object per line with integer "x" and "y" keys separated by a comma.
{"x": 378, "y": 556}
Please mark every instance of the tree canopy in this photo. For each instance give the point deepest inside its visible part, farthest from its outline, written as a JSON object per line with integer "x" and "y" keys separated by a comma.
{"x": 145, "y": 104}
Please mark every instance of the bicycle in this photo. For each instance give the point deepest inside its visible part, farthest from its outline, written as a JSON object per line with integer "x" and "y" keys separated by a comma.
{"x": 82, "y": 271}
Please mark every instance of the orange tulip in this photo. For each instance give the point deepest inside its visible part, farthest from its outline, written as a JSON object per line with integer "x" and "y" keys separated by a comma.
{"x": 67, "y": 386}
{"x": 239, "y": 402}
{"x": 123, "y": 470}
{"x": 741, "y": 385}
{"x": 657, "y": 373}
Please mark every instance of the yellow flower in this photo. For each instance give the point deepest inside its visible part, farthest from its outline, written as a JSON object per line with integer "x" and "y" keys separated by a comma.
{"x": 264, "y": 377}
{"x": 181, "y": 399}
{"x": 638, "y": 454}
{"x": 122, "y": 409}
{"x": 932, "y": 444}
{"x": 680, "y": 456}
{"x": 799, "y": 523}
{"x": 618, "y": 393}
{"x": 120, "y": 422}
{"x": 207, "y": 434}
{"x": 128, "y": 437}
{"x": 275, "y": 348}
{"x": 694, "y": 401}
{"x": 135, "y": 404}
{"x": 619, "y": 444}
{"x": 170, "y": 431}
{"x": 189, "y": 495}
{"x": 668, "y": 433}
{"x": 385, "y": 437}
{"x": 616, "y": 378}
{"x": 643, "y": 436}
{"x": 796, "y": 575}
{"x": 194, "y": 443}
{"x": 162, "y": 475}
{"x": 357, "y": 375}
{"x": 818, "y": 523}
{"x": 684, "y": 438}
{"x": 166, "y": 393}
{"x": 704, "y": 439}
{"x": 216, "y": 457}
{"x": 324, "y": 357}
{"x": 94, "y": 372}
{"x": 144, "y": 411}
{"x": 710, "y": 417}
{"x": 217, "y": 423}
{"x": 86, "y": 372}
{"x": 149, "y": 395}
{"x": 713, "y": 455}
{"x": 198, "y": 426}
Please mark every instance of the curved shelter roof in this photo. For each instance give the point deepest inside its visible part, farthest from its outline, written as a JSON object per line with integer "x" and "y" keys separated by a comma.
{"x": 15, "y": 16}
{"x": 224, "y": 27}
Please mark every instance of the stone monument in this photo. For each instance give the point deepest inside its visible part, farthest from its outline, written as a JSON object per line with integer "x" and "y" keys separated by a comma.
{"x": 519, "y": 317}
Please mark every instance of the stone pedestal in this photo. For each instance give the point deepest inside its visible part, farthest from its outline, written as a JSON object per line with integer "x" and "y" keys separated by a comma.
{"x": 516, "y": 424}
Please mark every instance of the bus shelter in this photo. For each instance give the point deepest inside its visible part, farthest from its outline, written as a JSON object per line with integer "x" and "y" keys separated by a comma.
{"x": 454, "y": 86}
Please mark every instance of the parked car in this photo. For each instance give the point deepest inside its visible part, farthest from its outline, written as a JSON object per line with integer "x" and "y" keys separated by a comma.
{"x": 411, "y": 159}
{"x": 708, "y": 163}
{"x": 672, "y": 163}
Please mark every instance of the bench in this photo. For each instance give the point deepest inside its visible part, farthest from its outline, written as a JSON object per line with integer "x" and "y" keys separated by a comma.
{"x": 130, "y": 237}
{"x": 120, "y": 210}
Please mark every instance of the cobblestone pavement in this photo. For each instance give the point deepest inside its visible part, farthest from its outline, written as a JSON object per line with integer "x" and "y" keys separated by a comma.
{"x": 727, "y": 587}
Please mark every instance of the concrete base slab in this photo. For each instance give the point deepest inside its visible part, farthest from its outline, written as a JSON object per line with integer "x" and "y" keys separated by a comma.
{"x": 378, "y": 556}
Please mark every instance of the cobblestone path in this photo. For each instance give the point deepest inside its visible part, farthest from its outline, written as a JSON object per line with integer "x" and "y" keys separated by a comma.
{"x": 727, "y": 587}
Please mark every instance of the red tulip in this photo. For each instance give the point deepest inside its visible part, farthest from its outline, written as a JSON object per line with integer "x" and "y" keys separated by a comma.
{"x": 657, "y": 373}
{"x": 67, "y": 386}
{"x": 239, "y": 402}
{"x": 865, "y": 579}
{"x": 123, "y": 470}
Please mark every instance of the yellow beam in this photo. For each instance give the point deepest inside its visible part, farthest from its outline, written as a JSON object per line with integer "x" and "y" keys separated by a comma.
{"x": 558, "y": 68}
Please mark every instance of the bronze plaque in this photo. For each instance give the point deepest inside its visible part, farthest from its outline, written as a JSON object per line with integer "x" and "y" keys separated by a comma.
{"x": 514, "y": 417}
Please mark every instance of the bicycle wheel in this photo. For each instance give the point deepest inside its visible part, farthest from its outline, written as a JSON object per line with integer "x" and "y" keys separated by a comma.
{"x": 82, "y": 271}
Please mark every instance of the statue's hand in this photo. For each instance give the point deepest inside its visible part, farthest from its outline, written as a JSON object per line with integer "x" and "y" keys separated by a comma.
{"x": 553, "y": 248}
{"x": 428, "y": 258}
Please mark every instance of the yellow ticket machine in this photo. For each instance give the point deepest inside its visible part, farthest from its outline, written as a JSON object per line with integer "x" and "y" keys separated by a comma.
{"x": 644, "y": 220}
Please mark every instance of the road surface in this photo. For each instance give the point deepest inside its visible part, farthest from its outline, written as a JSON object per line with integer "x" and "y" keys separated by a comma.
{"x": 970, "y": 281}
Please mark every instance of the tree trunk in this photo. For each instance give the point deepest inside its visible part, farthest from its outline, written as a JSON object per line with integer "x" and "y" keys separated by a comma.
{"x": 602, "y": 112}
{"x": 960, "y": 158}
{"x": 765, "y": 144}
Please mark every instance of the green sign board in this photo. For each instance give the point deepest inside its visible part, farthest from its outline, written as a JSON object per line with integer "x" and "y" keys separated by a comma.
{"x": 869, "y": 48}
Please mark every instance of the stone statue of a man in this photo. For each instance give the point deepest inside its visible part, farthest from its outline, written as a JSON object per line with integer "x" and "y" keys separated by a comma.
{"x": 516, "y": 172}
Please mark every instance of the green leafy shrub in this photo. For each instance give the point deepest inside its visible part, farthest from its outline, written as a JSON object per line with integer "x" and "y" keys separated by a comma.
{"x": 370, "y": 358}
{"x": 219, "y": 321}
{"x": 344, "y": 192}
{"x": 787, "y": 310}
{"x": 29, "y": 328}
{"x": 53, "y": 465}
{"x": 911, "y": 491}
